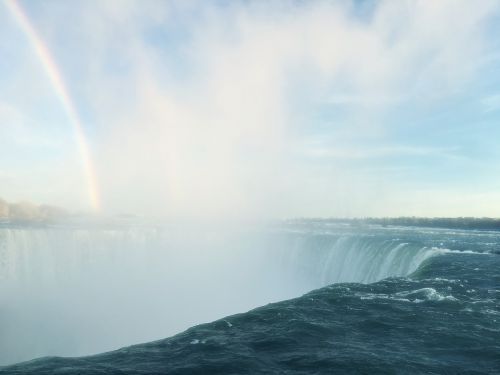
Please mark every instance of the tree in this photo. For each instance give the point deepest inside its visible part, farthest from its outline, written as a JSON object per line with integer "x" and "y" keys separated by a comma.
{"x": 4, "y": 209}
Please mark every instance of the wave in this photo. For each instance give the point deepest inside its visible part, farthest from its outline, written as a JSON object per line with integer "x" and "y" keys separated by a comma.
{"x": 416, "y": 296}
{"x": 397, "y": 325}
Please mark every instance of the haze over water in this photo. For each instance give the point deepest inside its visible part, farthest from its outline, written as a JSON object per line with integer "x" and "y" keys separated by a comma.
{"x": 155, "y": 157}
{"x": 204, "y": 109}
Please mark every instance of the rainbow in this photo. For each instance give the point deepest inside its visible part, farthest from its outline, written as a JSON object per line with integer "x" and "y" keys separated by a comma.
{"x": 55, "y": 77}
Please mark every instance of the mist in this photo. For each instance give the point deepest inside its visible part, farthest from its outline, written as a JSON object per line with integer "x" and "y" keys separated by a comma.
{"x": 81, "y": 289}
{"x": 205, "y": 123}
{"x": 243, "y": 110}
{"x": 69, "y": 291}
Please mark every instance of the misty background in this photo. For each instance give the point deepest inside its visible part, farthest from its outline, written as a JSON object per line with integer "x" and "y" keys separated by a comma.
{"x": 203, "y": 121}
{"x": 284, "y": 109}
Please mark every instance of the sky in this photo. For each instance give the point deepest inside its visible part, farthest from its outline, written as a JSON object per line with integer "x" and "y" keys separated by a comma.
{"x": 254, "y": 109}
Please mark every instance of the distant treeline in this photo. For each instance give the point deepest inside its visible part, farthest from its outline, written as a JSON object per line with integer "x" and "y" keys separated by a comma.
{"x": 457, "y": 223}
{"x": 27, "y": 212}
{"x": 483, "y": 223}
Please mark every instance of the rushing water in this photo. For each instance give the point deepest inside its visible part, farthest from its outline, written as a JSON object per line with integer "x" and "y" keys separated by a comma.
{"x": 381, "y": 299}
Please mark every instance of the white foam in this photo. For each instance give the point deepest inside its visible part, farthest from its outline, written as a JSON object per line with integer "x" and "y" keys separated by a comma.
{"x": 426, "y": 294}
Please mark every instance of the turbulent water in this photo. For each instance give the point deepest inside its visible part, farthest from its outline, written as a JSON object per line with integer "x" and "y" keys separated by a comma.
{"x": 378, "y": 300}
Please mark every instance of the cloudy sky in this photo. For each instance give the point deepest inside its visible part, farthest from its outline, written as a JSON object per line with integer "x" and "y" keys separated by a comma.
{"x": 279, "y": 109}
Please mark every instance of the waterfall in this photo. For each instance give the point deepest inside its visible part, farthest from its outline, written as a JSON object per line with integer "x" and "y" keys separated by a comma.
{"x": 323, "y": 259}
{"x": 72, "y": 290}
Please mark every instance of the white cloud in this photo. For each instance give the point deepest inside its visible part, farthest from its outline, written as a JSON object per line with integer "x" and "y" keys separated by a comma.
{"x": 212, "y": 125}
{"x": 338, "y": 152}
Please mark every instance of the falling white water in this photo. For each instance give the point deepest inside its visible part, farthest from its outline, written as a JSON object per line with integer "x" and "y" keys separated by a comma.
{"x": 74, "y": 291}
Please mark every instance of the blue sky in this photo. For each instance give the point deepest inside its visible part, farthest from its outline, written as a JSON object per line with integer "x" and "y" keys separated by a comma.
{"x": 281, "y": 109}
